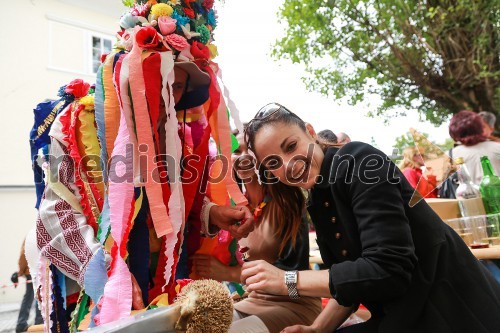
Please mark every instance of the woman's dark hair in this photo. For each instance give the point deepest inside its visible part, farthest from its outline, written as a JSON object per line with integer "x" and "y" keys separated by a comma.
{"x": 466, "y": 127}
{"x": 288, "y": 201}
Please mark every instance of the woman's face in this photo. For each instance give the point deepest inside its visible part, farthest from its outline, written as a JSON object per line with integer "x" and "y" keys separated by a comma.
{"x": 418, "y": 159}
{"x": 243, "y": 163}
{"x": 289, "y": 153}
{"x": 179, "y": 85}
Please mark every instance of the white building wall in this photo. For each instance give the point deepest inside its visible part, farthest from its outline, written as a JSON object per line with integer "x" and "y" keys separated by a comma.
{"x": 44, "y": 45}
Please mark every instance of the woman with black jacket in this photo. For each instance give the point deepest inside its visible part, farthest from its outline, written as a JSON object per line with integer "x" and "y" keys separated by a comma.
{"x": 396, "y": 257}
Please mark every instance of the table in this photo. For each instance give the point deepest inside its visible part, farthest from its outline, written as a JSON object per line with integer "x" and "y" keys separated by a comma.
{"x": 493, "y": 252}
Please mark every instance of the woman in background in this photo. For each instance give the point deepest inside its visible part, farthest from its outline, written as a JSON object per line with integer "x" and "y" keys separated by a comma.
{"x": 467, "y": 129}
{"x": 411, "y": 166}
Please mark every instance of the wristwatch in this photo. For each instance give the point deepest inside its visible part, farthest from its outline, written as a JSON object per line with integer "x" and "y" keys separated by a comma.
{"x": 291, "y": 284}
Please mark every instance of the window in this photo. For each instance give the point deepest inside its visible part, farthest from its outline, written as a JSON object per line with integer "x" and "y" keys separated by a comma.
{"x": 100, "y": 46}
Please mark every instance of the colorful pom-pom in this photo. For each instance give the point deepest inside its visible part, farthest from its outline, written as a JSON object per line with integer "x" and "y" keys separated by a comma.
{"x": 204, "y": 34}
{"x": 88, "y": 102}
{"x": 180, "y": 18}
{"x": 211, "y": 18}
{"x": 213, "y": 50}
{"x": 162, "y": 9}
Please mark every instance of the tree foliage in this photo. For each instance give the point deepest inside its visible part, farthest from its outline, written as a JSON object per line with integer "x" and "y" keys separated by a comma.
{"x": 436, "y": 56}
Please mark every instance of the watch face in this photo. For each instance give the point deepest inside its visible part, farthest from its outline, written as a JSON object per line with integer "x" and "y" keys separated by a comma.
{"x": 291, "y": 277}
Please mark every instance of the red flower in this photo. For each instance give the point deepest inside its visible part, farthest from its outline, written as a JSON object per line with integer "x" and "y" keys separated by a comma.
{"x": 208, "y": 4}
{"x": 147, "y": 38}
{"x": 77, "y": 88}
{"x": 200, "y": 51}
{"x": 189, "y": 12}
{"x": 182, "y": 283}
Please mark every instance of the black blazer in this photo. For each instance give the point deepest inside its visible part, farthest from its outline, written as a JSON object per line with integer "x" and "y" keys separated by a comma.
{"x": 412, "y": 271}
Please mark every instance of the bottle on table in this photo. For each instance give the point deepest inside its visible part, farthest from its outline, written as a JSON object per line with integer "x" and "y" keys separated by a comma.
{"x": 490, "y": 192}
{"x": 490, "y": 187}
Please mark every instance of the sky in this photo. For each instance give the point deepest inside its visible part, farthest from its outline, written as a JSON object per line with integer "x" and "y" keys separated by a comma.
{"x": 244, "y": 37}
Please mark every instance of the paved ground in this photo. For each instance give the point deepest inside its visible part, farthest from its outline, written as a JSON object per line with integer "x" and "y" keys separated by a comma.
{"x": 8, "y": 317}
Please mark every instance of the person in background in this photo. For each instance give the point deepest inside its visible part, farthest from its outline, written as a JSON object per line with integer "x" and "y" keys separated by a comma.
{"x": 283, "y": 244}
{"x": 411, "y": 166}
{"x": 467, "y": 129}
{"x": 489, "y": 121}
{"x": 343, "y": 138}
{"x": 27, "y": 302}
{"x": 327, "y": 136}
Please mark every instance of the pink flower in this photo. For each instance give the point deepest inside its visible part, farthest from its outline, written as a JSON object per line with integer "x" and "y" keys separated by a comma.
{"x": 177, "y": 42}
{"x": 208, "y": 4}
{"x": 77, "y": 88}
{"x": 166, "y": 25}
{"x": 147, "y": 38}
{"x": 140, "y": 10}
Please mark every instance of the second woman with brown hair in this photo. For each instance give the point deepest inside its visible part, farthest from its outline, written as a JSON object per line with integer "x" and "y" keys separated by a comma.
{"x": 282, "y": 240}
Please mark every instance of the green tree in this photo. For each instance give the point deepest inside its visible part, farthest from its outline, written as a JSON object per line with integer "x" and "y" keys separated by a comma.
{"x": 436, "y": 56}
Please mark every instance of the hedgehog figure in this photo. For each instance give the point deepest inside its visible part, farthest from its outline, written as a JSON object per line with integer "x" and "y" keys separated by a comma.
{"x": 205, "y": 307}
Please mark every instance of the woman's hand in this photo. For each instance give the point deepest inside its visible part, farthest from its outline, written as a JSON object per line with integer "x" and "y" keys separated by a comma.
{"x": 300, "y": 329}
{"x": 137, "y": 302}
{"x": 210, "y": 267}
{"x": 239, "y": 221}
{"x": 262, "y": 277}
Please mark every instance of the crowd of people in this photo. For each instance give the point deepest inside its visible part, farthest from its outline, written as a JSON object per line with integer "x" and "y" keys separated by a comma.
{"x": 473, "y": 138}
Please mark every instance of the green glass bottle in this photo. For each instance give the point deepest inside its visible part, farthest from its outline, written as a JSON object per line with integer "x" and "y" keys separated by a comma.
{"x": 490, "y": 187}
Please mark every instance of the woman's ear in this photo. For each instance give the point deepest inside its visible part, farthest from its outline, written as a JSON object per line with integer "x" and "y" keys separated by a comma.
{"x": 311, "y": 131}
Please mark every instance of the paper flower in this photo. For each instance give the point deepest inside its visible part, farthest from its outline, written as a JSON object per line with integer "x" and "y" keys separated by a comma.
{"x": 139, "y": 10}
{"x": 181, "y": 19}
{"x": 161, "y": 9}
{"x": 213, "y": 50}
{"x": 177, "y": 42}
{"x": 186, "y": 29}
{"x": 64, "y": 95}
{"x": 88, "y": 102}
{"x": 211, "y": 18}
{"x": 189, "y": 12}
{"x": 167, "y": 25}
{"x": 77, "y": 88}
{"x": 200, "y": 51}
{"x": 126, "y": 40}
{"x": 128, "y": 21}
{"x": 147, "y": 38}
{"x": 208, "y": 4}
{"x": 204, "y": 36}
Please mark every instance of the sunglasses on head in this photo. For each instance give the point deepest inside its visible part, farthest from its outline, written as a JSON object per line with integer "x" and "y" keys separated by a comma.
{"x": 268, "y": 111}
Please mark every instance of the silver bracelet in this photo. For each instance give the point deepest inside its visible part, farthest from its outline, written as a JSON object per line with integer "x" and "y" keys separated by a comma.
{"x": 291, "y": 278}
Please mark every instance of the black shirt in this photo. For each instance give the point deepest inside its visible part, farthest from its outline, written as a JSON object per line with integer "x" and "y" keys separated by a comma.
{"x": 399, "y": 259}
